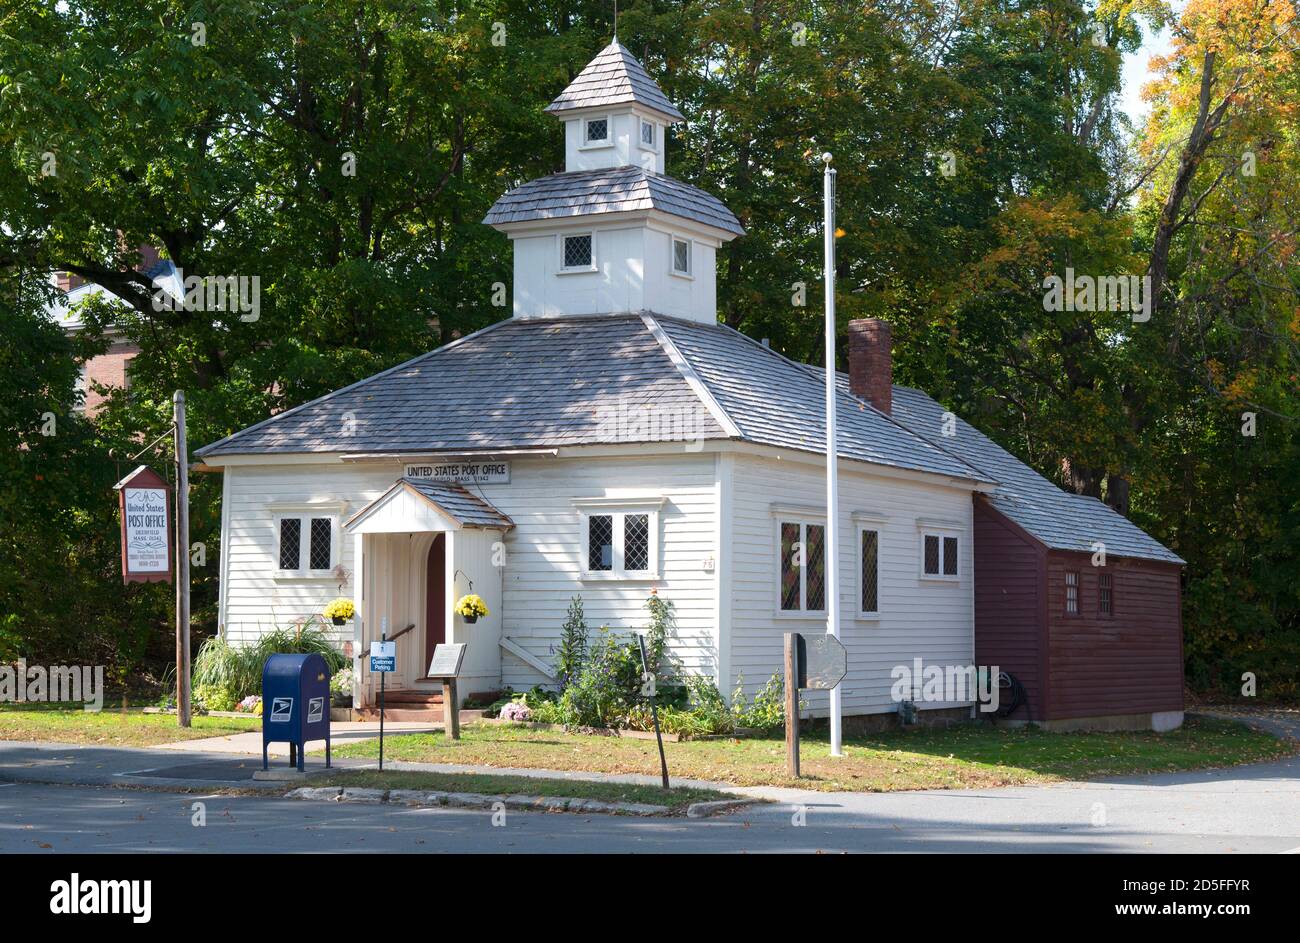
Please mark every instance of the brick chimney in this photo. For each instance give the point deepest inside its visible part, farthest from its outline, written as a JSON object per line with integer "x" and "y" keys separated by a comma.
{"x": 871, "y": 362}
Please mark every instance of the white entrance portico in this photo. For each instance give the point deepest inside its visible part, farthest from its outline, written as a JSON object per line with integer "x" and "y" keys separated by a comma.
{"x": 419, "y": 547}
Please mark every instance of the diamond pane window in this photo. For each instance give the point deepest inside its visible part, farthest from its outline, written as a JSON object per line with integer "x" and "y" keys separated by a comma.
{"x": 648, "y": 133}
{"x": 789, "y": 566}
{"x": 597, "y": 130}
{"x": 577, "y": 251}
{"x": 682, "y": 256}
{"x": 932, "y": 554}
{"x": 600, "y": 542}
{"x": 950, "y": 556}
{"x": 636, "y": 542}
{"x": 320, "y": 552}
{"x": 815, "y": 590}
{"x": 290, "y": 542}
{"x": 870, "y": 570}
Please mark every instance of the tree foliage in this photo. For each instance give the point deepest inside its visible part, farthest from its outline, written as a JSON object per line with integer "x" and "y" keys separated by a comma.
{"x": 345, "y": 153}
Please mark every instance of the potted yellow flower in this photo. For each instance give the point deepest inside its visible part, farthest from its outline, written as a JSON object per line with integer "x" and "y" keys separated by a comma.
{"x": 471, "y": 607}
{"x": 340, "y": 611}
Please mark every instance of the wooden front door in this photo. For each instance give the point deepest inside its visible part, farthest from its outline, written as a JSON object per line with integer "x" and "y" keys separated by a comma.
{"x": 435, "y": 595}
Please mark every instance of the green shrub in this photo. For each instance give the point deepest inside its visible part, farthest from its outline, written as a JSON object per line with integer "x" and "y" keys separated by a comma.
{"x": 572, "y": 651}
{"x": 767, "y": 712}
{"x": 237, "y": 672}
{"x": 213, "y": 697}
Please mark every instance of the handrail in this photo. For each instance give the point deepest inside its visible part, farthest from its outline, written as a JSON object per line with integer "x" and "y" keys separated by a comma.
{"x": 392, "y": 638}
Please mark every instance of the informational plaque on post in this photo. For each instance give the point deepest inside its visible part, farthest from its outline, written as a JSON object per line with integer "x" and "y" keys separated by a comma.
{"x": 446, "y": 660}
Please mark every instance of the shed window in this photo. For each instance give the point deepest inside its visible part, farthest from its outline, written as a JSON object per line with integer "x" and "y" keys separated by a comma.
{"x": 648, "y": 134}
{"x": 870, "y": 549}
{"x": 597, "y": 130}
{"x": 939, "y": 556}
{"x": 1072, "y": 592}
{"x": 803, "y": 567}
{"x": 306, "y": 544}
{"x": 577, "y": 252}
{"x": 1105, "y": 595}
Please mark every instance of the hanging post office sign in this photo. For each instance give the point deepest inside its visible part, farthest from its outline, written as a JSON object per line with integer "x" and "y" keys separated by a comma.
{"x": 143, "y": 500}
{"x": 478, "y": 473}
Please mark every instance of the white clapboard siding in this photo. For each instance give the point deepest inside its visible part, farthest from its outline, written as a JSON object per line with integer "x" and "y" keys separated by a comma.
{"x": 930, "y": 619}
{"x": 546, "y": 548}
{"x": 543, "y": 552}
{"x": 255, "y": 598}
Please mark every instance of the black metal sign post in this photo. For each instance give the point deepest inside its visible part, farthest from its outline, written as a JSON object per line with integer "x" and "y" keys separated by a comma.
{"x": 654, "y": 711}
{"x": 383, "y": 659}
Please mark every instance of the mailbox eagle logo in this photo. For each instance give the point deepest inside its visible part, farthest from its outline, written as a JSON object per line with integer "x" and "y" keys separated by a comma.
{"x": 281, "y": 710}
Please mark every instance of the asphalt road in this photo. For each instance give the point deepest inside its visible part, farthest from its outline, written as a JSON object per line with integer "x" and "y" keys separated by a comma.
{"x": 1245, "y": 811}
{"x": 60, "y": 797}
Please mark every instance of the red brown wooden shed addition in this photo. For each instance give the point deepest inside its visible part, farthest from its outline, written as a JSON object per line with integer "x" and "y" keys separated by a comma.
{"x": 1093, "y": 646}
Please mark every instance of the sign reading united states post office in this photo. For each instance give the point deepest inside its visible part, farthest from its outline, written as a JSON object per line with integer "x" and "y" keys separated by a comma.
{"x": 479, "y": 473}
{"x": 146, "y": 526}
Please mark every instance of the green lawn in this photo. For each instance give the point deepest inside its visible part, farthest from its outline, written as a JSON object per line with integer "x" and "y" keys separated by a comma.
{"x": 110, "y": 727}
{"x": 965, "y": 756}
{"x": 676, "y": 799}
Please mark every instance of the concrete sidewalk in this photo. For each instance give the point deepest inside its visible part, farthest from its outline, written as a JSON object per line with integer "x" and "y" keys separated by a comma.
{"x": 341, "y": 731}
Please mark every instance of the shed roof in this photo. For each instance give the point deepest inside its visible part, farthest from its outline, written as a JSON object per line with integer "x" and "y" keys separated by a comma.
{"x": 1060, "y": 519}
{"x": 614, "y": 77}
{"x": 617, "y": 190}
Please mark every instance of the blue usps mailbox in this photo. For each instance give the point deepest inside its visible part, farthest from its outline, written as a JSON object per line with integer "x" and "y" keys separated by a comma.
{"x": 295, "y": 704}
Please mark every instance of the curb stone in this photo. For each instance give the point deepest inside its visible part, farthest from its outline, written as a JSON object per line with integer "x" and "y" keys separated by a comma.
{"x": 701, "y": 810}
{"x": 476, "y": 800}
{"x": 355, "y": 794}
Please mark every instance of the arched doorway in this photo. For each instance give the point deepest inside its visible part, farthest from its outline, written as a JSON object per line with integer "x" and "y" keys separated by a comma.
{"x": 435, "y": 597}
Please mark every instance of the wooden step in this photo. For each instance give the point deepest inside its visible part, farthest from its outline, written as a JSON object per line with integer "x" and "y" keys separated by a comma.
{"x": 408, "y": 696}
{"x": 416, "y": 715}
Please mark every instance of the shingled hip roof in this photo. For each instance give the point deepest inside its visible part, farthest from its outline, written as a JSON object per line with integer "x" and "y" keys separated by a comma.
{"x": 620, "y": 190}
{"x": 1059, "y": 519}
{"x": 614, "y": 77}
{"x": 531, "y": 383}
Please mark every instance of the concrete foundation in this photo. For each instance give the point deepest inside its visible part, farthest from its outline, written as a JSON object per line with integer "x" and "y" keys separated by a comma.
{"x": 1158, "y": 721}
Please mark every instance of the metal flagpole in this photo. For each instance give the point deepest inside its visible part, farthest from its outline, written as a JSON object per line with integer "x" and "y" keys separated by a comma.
{"x": 832, "y": 542}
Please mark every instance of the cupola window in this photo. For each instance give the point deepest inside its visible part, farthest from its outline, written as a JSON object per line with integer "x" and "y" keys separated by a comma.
{"x": 597, "y": 131}
{"x": 576, "y": 254}
{"x": 681, "y": 257}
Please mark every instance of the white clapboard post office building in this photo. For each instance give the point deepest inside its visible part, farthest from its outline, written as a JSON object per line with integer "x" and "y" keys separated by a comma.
{"x": 609, "y": 439}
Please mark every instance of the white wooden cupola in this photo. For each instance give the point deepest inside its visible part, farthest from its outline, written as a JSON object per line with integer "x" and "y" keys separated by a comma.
{"x": 613, "y": 233}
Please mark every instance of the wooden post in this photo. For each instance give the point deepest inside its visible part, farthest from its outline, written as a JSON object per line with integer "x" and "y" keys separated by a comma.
{"x": 792, "y": 703}
{"x": 450, "y": 708}
{"x": 182, "y": 563}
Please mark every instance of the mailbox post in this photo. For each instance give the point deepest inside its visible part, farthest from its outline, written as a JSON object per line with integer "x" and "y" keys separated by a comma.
{"x": 295, "y": 705}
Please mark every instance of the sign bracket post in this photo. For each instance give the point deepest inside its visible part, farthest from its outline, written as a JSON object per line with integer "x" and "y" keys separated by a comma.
{"x": 182, "y": 562}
